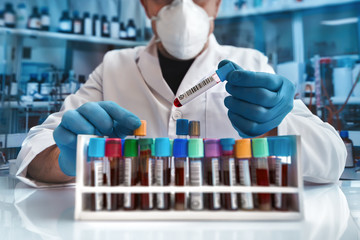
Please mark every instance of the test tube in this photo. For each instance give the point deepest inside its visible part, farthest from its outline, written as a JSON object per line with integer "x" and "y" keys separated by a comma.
{"x": 180, "y": 156}
{"x": 139, "y": 133}
{"x": 194, "y": 129}
{"x": 280, "y": 156}
{"x": 113, "y": 169}
{"x": 243, "y": 157}
{"x": 146, "y": 170}
{"x": 130, "y": 174}
{"x": 261, "y": 153}
{"x": 212, "y": 172}
{"x": 228, "y": 172}
{"x": 196, "y": 155}
{"x": 182, "y": 128}
{"x": 220, "y": 75}
{"x": 162, "y": 171}
{"x": 96, "y": 154}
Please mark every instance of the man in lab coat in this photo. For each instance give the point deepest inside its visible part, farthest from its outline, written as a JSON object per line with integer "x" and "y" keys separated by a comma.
{"x": 142, "y": 83}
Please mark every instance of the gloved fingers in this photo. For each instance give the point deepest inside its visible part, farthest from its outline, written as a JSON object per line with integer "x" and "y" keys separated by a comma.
{"x": 259, "y": 96}
{"x": 224, "y": 62}
{"x": 67, "y": 162}
{"x": 121, "y": 115}
{"x": 121, "y": 130}
{"x": 242, "y": 78}
{"x": 248, "y": 129}
{"x": 97, "y": 116}
{"x": 73, "y": 121}
{"x": 64, "y": 138}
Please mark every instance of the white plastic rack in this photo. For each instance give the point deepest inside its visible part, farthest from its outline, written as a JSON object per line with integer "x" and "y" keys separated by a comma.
{"x": 295, "y": 190}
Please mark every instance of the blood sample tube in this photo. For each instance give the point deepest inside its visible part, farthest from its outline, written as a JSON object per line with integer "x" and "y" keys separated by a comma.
{"x": 261, "y": 153}
{"x": 194, "y": 129}
{"x": 146, "y": 170}
{"x": 112, "y": 171}
{"x": 219, "y": 76}
{"x": 130, "y": 174}
{"x": 228, "y": 172}
{"x": 139, "y": 133}
{"x": 280, "y": 156}
{"x": 212, "y": 172}
{"x": 243, "y": 157}
{"x": 196, "y": 155}
{"x": 180, "y": 156}
{"x": 96, "y": 154}
{"x": 162, "y": 171}
{"x": 182, "y": 128}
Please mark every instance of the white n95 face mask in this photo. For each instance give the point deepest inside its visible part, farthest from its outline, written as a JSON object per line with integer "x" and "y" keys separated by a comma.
{"x": 183, "y": 28}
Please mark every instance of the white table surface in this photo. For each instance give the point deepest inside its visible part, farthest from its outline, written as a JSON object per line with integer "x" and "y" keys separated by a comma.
{"x": 331, "y": 212}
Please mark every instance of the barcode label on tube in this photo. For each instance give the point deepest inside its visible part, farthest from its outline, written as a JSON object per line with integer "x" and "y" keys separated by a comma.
{"x": 244, "y": 173}
{"x": 232, "y": 181}
{"x": 216, "y": 181}
{"x": 159, "y": 180}
{"x": 278, "y": 178}
{"x": 196, "y": 199}
{"x": 127, "y": 182}
{"x": 98, "y": 181}
{"x": 150, "y": 179}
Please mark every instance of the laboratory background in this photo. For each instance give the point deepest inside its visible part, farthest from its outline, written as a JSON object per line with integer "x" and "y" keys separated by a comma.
{"x": 49, "y": 48}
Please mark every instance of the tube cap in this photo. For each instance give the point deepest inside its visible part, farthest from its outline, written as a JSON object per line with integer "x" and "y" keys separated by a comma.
{"x": 196, "y": 148}
{"x": 113, "y": 147}
{"x": 225, "y": 70}
{"x": 141, "y": 131}
{"x": 260, "y": 147}
{"x": 344, "y": 134}
{"x": 212, "y": 147}
{"x": 145, "y": 143}
{"x": 182, "y": 127}
{"x": 96, "y": 147}
{"x": 194, "y": 128}
{"x": 162, "y": 147}
{"x": 243, "y": 148}
{"x": 279, "y": 146}
{"x": 227, "y": 144}
{"x": 131, "y": 148}
{"x": 180, "y": 148}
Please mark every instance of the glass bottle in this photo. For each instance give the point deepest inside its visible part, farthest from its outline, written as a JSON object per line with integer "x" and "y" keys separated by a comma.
{"x": 9, "y": 16}
{"x": 87, "y": 24}
{"x": 65, "y": 23}
{"x": 77, "y": 23}
{"x": 45, "y": 19}
{"x": 34, "y": 19}
{"x": 131, "y": 30}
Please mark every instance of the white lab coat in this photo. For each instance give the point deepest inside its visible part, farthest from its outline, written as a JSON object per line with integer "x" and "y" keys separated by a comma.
{"x": 133, "y": 79}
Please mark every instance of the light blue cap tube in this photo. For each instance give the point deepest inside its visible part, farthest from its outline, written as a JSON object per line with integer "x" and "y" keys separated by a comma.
{"x": 225, "y": 70}
{"x": 162, "y": 147}
{"x": 96, "y": 147}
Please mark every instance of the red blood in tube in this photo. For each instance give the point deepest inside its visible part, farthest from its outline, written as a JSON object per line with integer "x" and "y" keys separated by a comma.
{"x": 177, "y": 103}
{"x": 262, "y": 178}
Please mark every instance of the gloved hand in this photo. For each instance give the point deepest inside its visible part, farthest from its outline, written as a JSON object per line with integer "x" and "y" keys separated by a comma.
{"x": 258, "y": 102}
{"x": 98, "y": 118}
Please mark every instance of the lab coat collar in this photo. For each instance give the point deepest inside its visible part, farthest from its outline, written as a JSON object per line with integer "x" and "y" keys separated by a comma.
{"x": 204, "y": 65}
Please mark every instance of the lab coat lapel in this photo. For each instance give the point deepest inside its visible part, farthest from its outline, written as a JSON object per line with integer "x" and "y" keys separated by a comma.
{"x": 203, "y": 66}
{"x": 149, "y": 66}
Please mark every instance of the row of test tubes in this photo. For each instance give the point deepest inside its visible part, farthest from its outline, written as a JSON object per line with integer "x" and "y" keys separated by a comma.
{"x": 188, "y": 161}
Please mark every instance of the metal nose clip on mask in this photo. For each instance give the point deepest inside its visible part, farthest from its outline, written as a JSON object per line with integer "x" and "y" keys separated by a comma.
{"x": 183, "y": 28}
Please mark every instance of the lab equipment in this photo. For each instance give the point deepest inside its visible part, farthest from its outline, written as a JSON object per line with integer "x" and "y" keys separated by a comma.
{"x": 212, "y": 172}
{"x": 139, "y": 133}
{"x": 130, "y": 173}
{"x": 65, "y": 23}
{"x": 105, "y": 27}
{"x": 122, "y": 33}
{"x": 349, "y": 148}
{"x": 114, "y": 28}
{"x": 131, "y": 30}
{"x": 45, "y": 19}
{"x": 182, "y": 128}
{"x": 243, "y": 157}
{"x": 9, "y": 15}
{"x": 162, "y": 171}
{"x": 96, "y": 154}
{"x": 228, "y": 172}
{"x": 147, "y": 166}
{"x": 21, "y": 16}
{"x": 34, "y": 19}
{"x": 194, "y": 129}
{"x": 90, "y": 118}
{"x": 2, "y": 20}
{"x": 250, "y": 114}
{"x": 196, "y": 155}
{"x": 180, "y": 158}
{"x": 326, "y": 74}
{"x": 260, "y": 151}
{"x": 96, "y": 26}
{"x": 343, "y": 77}
{"x": 32, "y": 85}
{"x": 77, "y": 23}
{"x": 87, "y": 24}
{"x": 114, "y": 170}
{"x": 219, "y": 76}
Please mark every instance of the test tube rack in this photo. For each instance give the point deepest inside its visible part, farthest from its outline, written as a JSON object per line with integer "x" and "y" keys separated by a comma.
{"x": 295, "y": 189}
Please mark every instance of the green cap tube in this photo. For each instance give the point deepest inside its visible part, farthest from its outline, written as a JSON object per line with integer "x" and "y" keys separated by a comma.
{"x": 260, "y": 147}
{"x": 145, "y": 143}
{"x": 131, "y": 148}
{"x": 196, "y": 148}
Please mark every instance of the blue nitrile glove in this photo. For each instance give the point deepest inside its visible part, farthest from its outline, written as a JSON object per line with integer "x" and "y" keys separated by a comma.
{"x": 99, "y": 118}
{"x": 258, "y": 102}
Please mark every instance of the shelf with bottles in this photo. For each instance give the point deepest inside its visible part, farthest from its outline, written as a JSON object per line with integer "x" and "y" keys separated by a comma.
{"x": 244, "y": 8}
{"x": 89, "y": 28}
